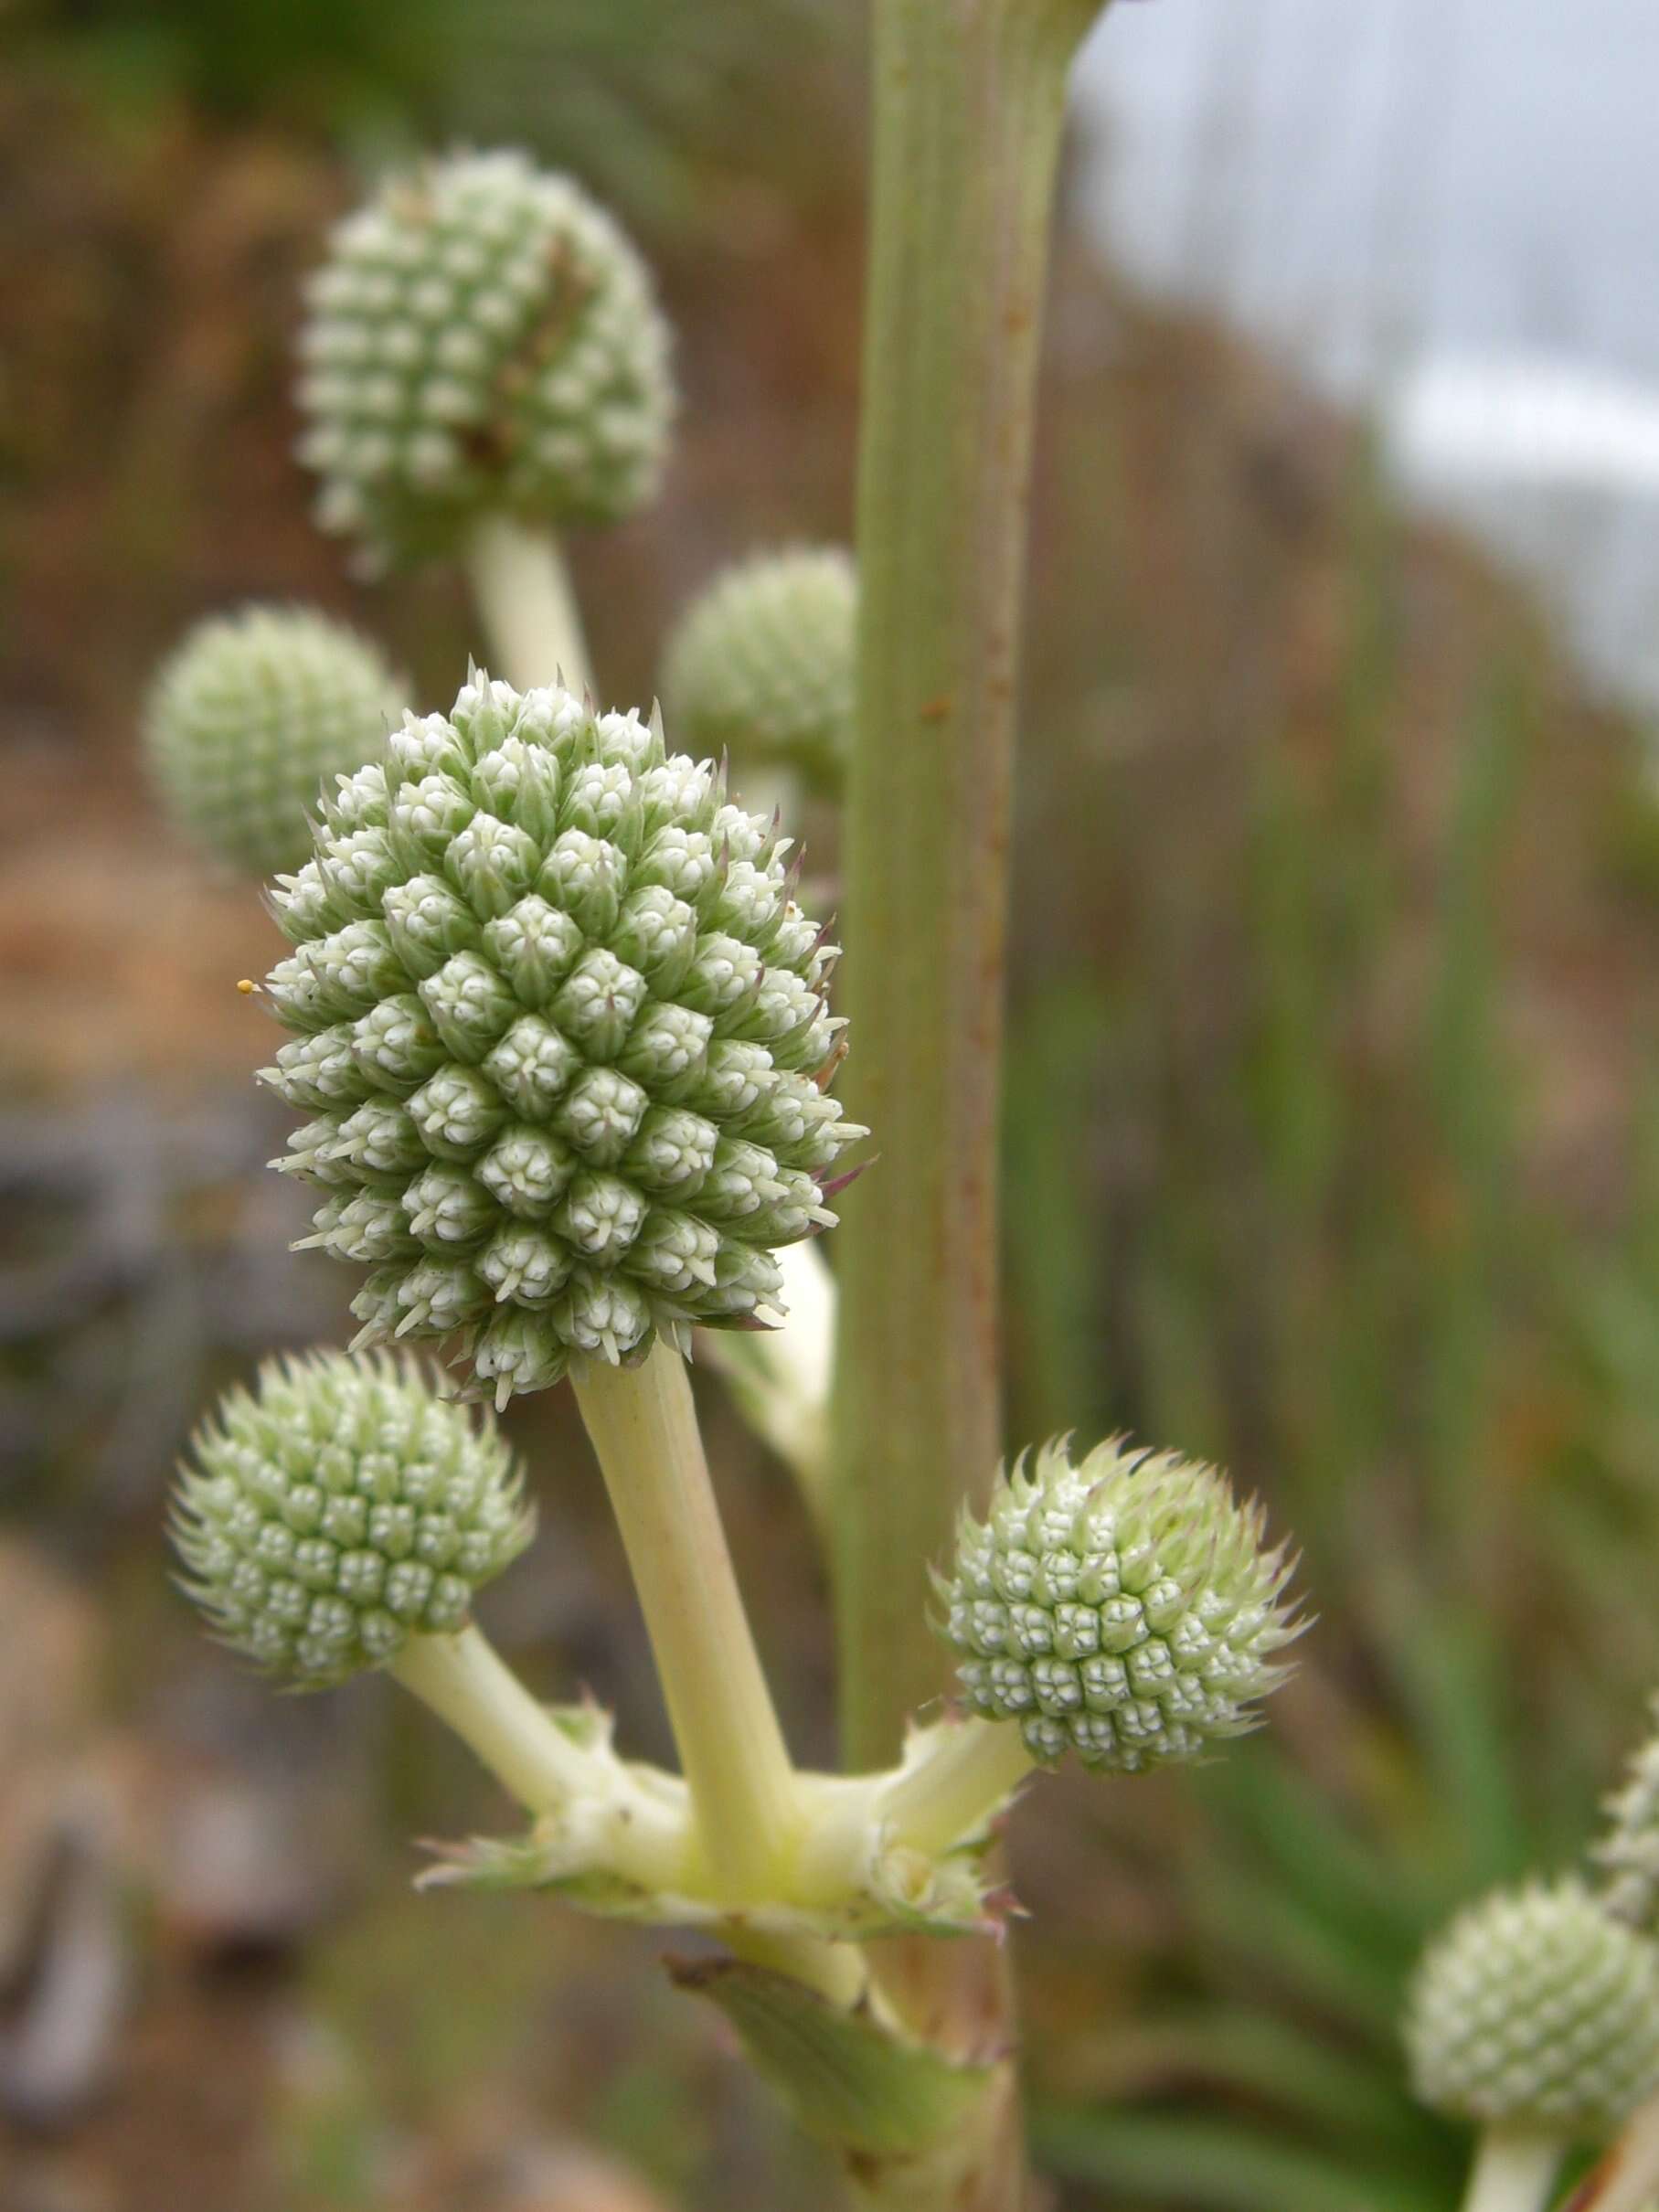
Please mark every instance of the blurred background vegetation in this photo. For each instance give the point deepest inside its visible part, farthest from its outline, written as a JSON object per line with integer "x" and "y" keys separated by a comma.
{"x": 1332, "y": 1153}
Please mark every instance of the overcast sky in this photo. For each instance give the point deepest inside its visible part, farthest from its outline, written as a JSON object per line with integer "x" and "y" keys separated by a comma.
{"x": 1473, "y": 174}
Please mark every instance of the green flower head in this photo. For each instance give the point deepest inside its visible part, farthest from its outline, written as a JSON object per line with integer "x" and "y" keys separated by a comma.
{"x": 339, "y": 1508}
{"x": 762, "y": 662}
{"x": 561, "y": 1033}
{"x": 1535, "y": 2009}
{"x": 482, "y": 338}
{"x": 251, "y": 716}
{"x": 1124, "y": 1608}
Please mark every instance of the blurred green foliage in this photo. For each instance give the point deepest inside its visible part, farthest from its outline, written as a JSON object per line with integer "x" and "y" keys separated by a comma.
{"x": 1320, "y": 1246}
{"x": 650, "y": 105}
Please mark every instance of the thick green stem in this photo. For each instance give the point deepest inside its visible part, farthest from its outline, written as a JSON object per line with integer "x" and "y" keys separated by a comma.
{"x": 969, "y": 103}
{"x": 743, "y": 1787}
{"x": 969, "y": 100}
{"x": 1514, "y": 2170}
{"x": 529, "y": 612}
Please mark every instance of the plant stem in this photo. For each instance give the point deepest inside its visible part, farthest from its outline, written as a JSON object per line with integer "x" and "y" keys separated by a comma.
{"x": 523, "y": 589}
{"x": 968, "y": 103}
{"x": 969, "y": 100}
{"x": 968, "y": 1775}
{"x": 628, "y": 1819}
{"x": 473, "y": 1690}
{"x": 1513, "y": 2172}
{"x": 744, "y": 1794}
{"x": 644, "y": 1430}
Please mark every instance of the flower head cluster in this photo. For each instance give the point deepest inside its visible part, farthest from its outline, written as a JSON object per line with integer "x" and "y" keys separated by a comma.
{"x": 1124, "y": 1608}
{"x": 762, "y": 662}
{"x": 482, "y": 337}
{"x": 1535, "y": 2009}
{"x": 561, "y": 1031}
{"x": 339, "y": 1508}
{"x": 251, "y": 716}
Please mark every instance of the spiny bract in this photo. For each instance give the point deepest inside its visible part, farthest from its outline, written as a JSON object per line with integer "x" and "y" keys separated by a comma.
{"x": 482, "y": 337}
{"x": 1123, "y": 1608}
{"x": 340, "y": 1508}
{"x": 251, "y": 716}
{"x": 1535, "y": 2009}
{"x": 1627, "y": 1853}
{"x": 561, "y": 1028}
{"x": 762, "y": 662}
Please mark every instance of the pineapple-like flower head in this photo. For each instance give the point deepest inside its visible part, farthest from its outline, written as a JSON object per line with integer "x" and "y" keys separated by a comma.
{"x": 1535, "y": 2009}
{"x": 482, "y": 338}
{"x": 1628, "y": 1850}
{"x": 248, "y": 718}
{"x": 561, "y": 1037}
{"x": 762, "y": 662}
{"x": 1124, "y": 1607}
{"x": 341, "y": 1508}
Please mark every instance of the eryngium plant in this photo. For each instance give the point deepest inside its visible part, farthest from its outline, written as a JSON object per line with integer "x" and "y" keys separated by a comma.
{"x": 560, "y": 1035}
{"x": 483, "y": 338}
{"x": 253, "y": 719}
{"x": 561, "y": 1025}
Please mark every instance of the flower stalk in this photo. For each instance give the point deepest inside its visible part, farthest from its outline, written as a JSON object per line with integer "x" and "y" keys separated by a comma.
{"x": 1512, "y": 2171}
{"x": 644, "y": 1426}
{"x": 522, "y": 586}
{"x": 464, "y": 1680}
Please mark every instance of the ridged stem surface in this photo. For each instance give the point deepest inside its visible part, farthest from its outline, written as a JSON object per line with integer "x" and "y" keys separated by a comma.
{"x": 968, "y": 101}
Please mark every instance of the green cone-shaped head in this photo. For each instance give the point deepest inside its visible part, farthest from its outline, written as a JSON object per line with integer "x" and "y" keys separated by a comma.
{"x": 560, "y": 1028}
{"x": 483, "y": 337}
{"x": 762, "y": 664}
{"x": 1124, "y": 1608}
{"x": 252, "y": 718}
{"x": 1535, "y": 2009}
{"x": 340, "y": 1508}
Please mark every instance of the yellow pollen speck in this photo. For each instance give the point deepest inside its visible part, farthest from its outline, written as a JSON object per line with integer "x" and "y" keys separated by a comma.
{"x": 246, "y": 986}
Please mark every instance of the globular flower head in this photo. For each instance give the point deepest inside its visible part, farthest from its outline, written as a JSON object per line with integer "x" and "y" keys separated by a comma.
{"x": 1124, "y": 1608}
{"x": 250, "y": 717}
{"x": 1535, "y": 2009}
{"x": 339, "y": 1508}
{"x": 560, "y": 1037}
{"x": 482, "y": 337}
{"x": 762, "y": 662}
